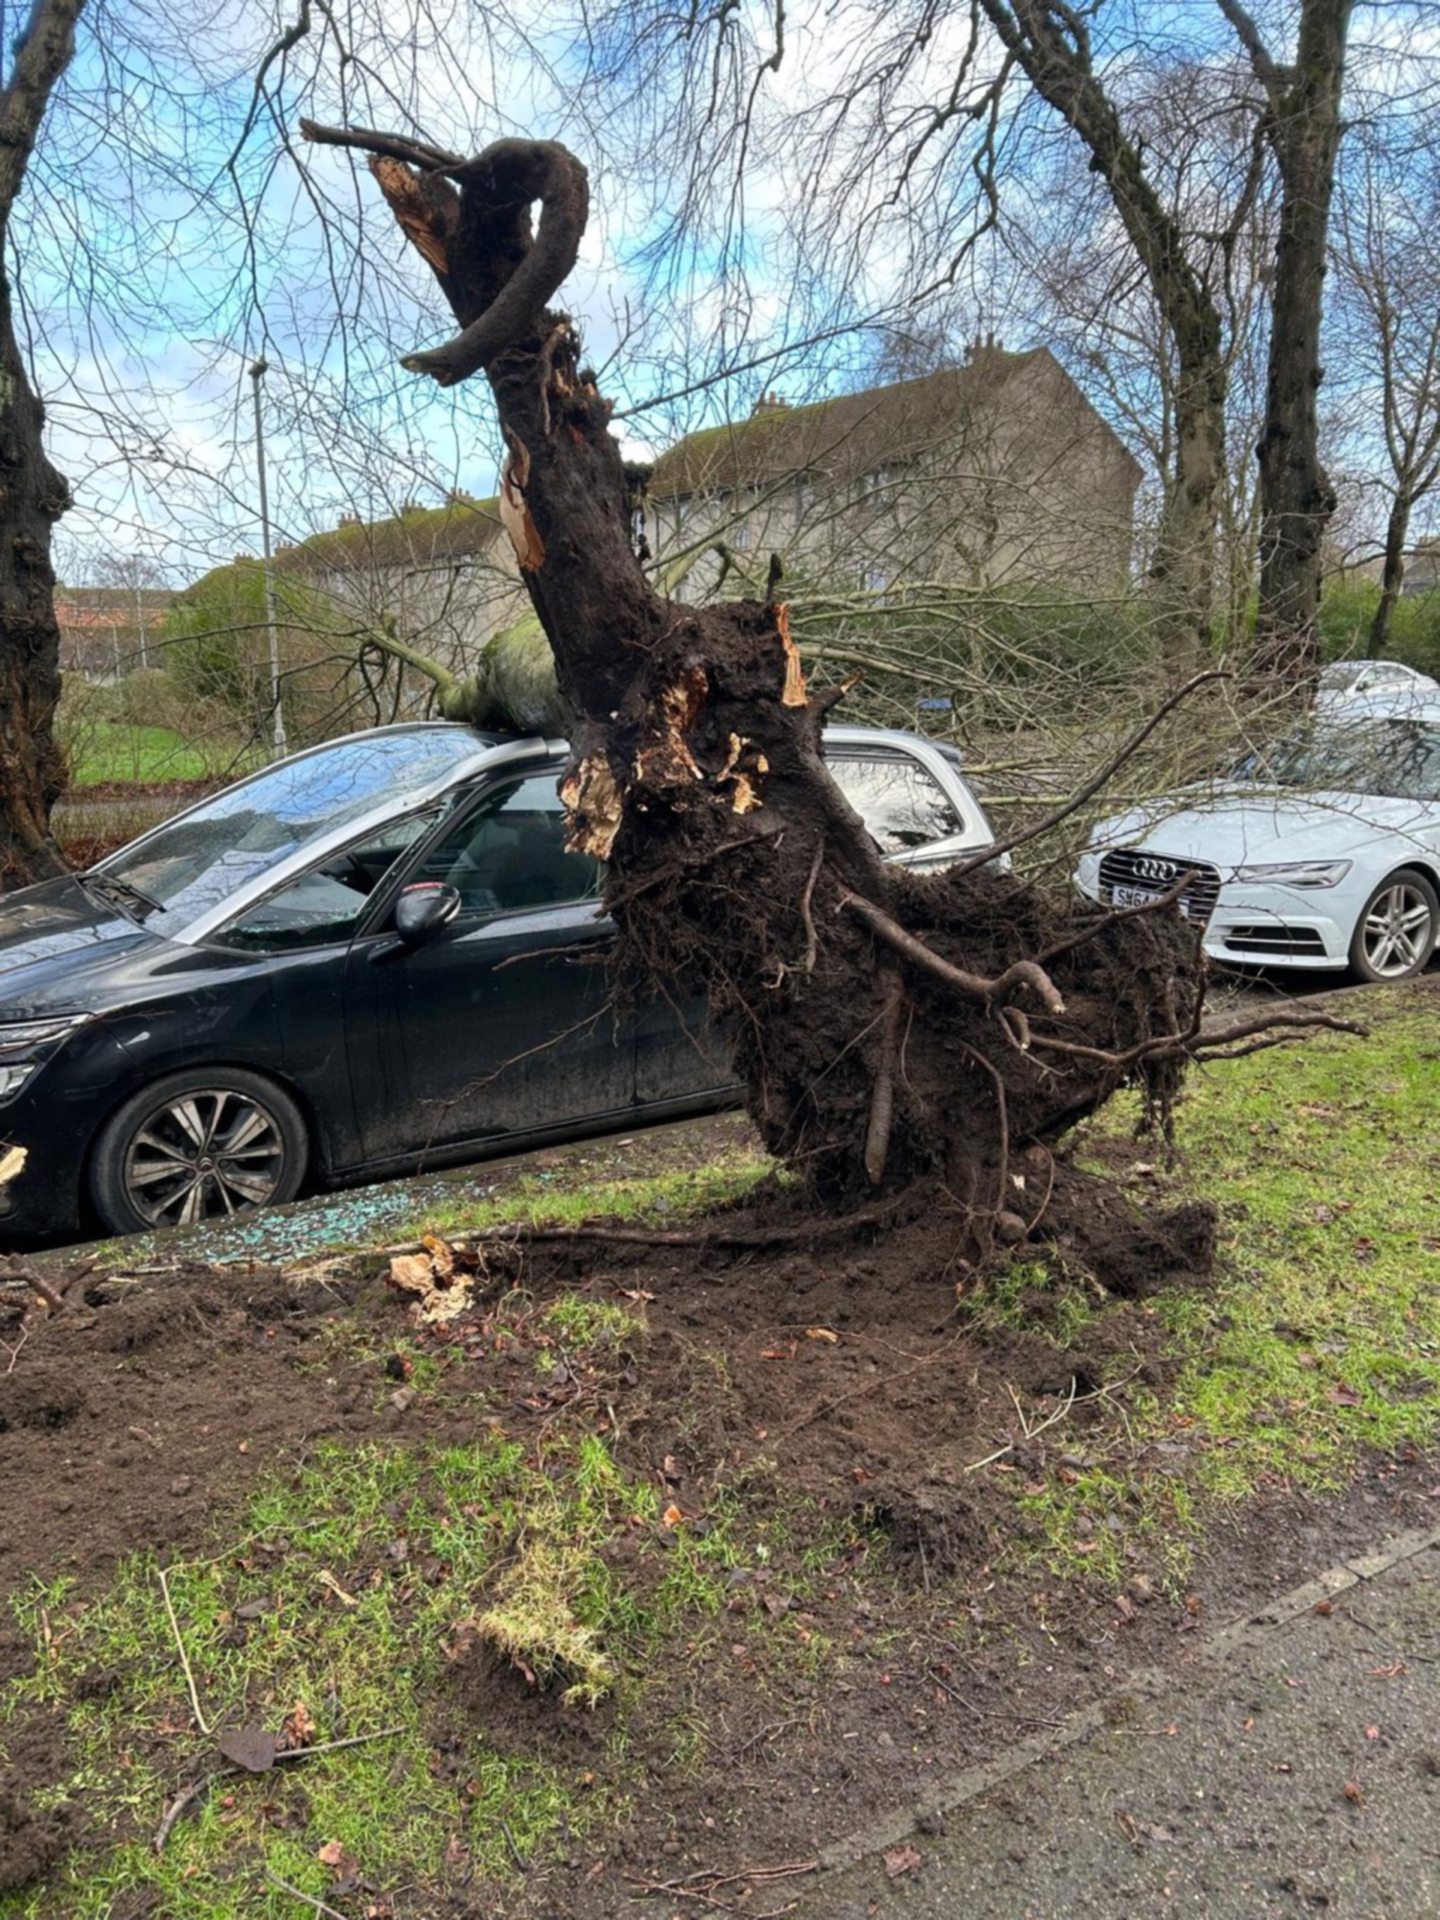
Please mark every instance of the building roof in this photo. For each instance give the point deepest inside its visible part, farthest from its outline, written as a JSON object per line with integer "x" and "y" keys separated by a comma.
{"x": 416, "y": 535}
{"x": 107, "y": 607}
{"x": 843, "y": 438}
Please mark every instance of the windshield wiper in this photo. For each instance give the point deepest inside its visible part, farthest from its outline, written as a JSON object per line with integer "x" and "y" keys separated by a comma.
{"x": 111, "y": 887}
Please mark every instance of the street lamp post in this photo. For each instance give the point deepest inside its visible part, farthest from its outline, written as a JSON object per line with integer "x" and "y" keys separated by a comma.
{"x": 257, "y": 374}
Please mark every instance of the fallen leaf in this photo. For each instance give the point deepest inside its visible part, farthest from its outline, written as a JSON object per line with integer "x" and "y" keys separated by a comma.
{"x": 672, "y": 1516}
{"x": 1325, "y": 1607}
{"x": 1372, "y": 1733}
{"x": 252, "y": 1748}
{"x": 328, "y": 1580}
{"x": 901, "y": 1860}
{"x": 1343, "y": 1395}
{"x": 1353, "y": 1793}
{"x": 822, "y": 1333}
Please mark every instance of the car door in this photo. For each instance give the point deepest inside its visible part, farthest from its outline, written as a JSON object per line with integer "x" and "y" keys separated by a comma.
{"x": 501, "y": 1022}
{"x": 298, "y": 939}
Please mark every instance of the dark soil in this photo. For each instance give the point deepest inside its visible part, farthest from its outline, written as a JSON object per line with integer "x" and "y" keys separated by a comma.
{"x": 854, "y": 1380}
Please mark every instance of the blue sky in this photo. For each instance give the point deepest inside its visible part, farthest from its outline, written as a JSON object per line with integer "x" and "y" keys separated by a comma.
{"x": 154, "y": 270}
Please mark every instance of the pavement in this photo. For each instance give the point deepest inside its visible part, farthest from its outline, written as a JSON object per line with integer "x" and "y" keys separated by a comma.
{"x": 1293, "y": 1767}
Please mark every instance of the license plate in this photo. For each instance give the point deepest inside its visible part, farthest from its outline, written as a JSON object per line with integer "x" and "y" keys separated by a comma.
{"x": 1138, "y": 897}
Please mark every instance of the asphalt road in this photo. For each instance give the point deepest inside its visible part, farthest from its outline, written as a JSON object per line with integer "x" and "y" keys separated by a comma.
{"x": 1296, "y": 1774}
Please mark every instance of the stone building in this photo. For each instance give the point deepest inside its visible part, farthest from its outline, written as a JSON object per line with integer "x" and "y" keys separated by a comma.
{"x": 994, "y": 473}
{"x": 986, "y": 475}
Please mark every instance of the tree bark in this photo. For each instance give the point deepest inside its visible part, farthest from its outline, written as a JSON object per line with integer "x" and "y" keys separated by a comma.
{"x": 1297, "y": 497}
{"x": 891, "y": 1028}
{"x": 32, "y": 497}
{"x": 1050, "y": 44}
{"x": 1392, "y": 574}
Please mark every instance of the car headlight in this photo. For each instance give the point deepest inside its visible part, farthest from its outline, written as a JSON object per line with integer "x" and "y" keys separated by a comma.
{"x": 33, "y": 1036}
{"x": 1299, "y": 873}
{"x": 26, "y": 1044}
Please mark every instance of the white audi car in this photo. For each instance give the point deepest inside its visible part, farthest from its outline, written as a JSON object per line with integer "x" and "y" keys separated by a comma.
{"x": 1322, "y": 853}
{"x": 1367, "y": 686}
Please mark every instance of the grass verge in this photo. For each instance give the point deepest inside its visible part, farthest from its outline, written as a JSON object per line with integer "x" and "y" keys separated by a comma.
{"x": 406, "y": 1588}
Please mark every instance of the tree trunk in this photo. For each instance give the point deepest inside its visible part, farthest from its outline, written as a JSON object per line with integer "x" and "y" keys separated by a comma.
{"x": 1184, "y": 567}
{"x": 1392, "y": 575}
{"x": 891, "y": 1028}
{"x": 32, "y": 498}
{"x": 1052, "y": 47}
{"x": 1297, "y": 497}
{"x": 32, "y": 494}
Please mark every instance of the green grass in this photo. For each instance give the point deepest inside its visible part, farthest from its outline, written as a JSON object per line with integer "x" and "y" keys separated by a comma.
{"x": 1319, "y": 1340}
{"x": 1322, "y": 1337}
{"x": 111, "y": 751}
{"x": 359, "y": 1587}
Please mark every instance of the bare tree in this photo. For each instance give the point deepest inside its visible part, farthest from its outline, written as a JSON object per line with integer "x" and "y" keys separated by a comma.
{"x": 32, "y": 770}
{"x": 1387, "y": 267}
{"x": 1302, "y": 129}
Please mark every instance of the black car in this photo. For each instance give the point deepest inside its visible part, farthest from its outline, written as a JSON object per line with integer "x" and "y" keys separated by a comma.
{"x": 308, "y": 980}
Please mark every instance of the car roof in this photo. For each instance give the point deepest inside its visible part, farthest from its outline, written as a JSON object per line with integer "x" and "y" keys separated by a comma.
{"x": 492, "y": 751}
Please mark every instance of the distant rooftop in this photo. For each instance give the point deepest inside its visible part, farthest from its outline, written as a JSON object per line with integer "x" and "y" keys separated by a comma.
{"x": 461, "y": 527}
{"x": 839, "y": 439}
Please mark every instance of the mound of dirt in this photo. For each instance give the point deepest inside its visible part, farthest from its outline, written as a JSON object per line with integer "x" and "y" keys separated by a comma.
{"x": 125, "y": 1422}
{"x": 31, "y": 1841}
{"x": 863, "y": 1374}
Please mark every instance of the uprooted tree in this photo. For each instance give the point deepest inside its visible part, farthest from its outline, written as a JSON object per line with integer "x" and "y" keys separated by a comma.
{"x": 897, "y": 1033}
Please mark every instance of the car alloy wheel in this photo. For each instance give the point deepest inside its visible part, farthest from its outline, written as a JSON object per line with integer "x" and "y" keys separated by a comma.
{"x": 204, "y": 1155}
{"x": 1397, "y": 931}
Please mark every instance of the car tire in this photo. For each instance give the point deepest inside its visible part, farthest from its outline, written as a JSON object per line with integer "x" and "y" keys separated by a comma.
{"x": 202, "y": 1145}
{"x": 1397, "y": 929}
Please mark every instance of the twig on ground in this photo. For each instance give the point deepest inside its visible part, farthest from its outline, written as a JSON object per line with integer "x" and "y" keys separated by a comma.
{"x": 988, "y": 1713}
{"x": 185, "y": 1799}
{"x": 515, "y": 1853}
{"x": 1029, "y": 1432}
{"x": 871, "y": 1386}
{"x": 308, "y": 1899}
{"x": 188, "y": 1795}
{"x": 39, "y": 1285}
{"x": 335, "y": 1746}
{"x": 684, "y": 1889}
{"x": 200, "y": 1719}
{"x": 14, "y": 1352}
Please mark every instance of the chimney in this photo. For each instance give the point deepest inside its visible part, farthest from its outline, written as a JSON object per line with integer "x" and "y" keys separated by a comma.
{"x": 771, "y": 402}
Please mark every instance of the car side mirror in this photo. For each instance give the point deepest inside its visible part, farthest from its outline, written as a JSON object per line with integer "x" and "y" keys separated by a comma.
{"x": 424, "y": 907}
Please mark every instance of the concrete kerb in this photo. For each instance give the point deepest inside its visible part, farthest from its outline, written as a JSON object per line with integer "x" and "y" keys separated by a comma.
{"x": 921, "y": 1814}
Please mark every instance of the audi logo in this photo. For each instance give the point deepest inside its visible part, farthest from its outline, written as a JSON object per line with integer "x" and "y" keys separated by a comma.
{"x": 1151, "y": 868}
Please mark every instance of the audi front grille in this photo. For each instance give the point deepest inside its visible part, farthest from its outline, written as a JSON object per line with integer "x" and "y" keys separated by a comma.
{"x": 1157, "y": 873}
